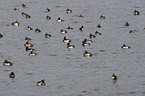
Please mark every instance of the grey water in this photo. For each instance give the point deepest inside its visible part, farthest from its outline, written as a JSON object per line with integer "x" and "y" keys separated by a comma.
{"x": 65, "y": 71}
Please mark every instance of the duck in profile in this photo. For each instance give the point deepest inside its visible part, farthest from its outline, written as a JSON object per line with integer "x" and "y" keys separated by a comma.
{"x": 23, "y": 5}
{"x": 47, "y": 35}
{"x": 26, "y": 38}
{"x": 27, "y": 44}
{"x": 81, "y": 28}
{"x": 102, "y": 17}
{"x": 87, "y": 54}
{"x": 59, "y": 20}
{"x": 41, "y": 83}
{"x": 85, "y": 43}
{"x": 16, "y": 9}
{"x": 1, "y": 36}
{"x": 136, "y": 12}
{"x": 98, "y": 33}
{"x": 37, "y": 30}
{"x": 69, "y": 28}
{"x": 15, "y": 23}
{"x": 126, "y": 24}
{"x": 92, "y": 36}
{"x": 12, "y": 75}
{"x": 48, "y": 17}
{"x": 68, "y": 11}
{"x": 125, "y": 46}
{"x": 66, "y": 40}
{"x": 63, "y": 31}
{"x": 23, "y": 14}
{"x": 70, "y": 46}
{"x": 29, "y": 28}
{"x": 114, "y": 77}
{"x": 98, "y": 26}
{"x": 29, "y": 49}
{"x": 7, "y": 63}
{"x": 27, "y": 16}
{"x": 47, "y": 10}
{"x": 32, "y": 54}
{"x": 131, "y": 31}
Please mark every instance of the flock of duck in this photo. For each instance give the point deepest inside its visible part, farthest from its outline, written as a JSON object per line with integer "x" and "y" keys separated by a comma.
{"x": 29, "y": 47}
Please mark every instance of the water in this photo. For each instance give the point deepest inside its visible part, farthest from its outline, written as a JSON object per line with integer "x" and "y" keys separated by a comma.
{"x": 67, "y": 72}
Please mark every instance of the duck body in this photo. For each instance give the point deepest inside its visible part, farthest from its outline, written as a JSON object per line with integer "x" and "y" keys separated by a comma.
{"x": 41, "y": 83}
{"x": 7, "y": 63}
{"x": 15, "y": 23}
{"x": 114, "y": 77}
{"x": 87, "y": 54}
{"x": 12, "y": 75}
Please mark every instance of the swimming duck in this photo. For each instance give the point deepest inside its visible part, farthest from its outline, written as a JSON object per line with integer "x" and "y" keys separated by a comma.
{"x": 69, "y": 28}
{"x": 70, "y": 46}
{"x": 23, "y": 5}
{"x": 41, "y": 83}
{"x": 47, "y": 10}
{"x": 131, "y": 31}
{"x": 85, "y": 43}
{"x": 7, "y": 63}
{"x": 27, "y": 16}
{"x": 98, "y": 33}
{"x": 12, "y": 75}
{"x": 27, "y": 44}
{"x": 1, "y": 36}
{"x": 81, "y": 15}
{"x": 26, "y": 38}
{"x": 48, "y": 17}
{"x": 63, "y": 31}
{"x": 32, "y": 53}
{"x": 87, "y": 54}
{"x": 81, "y": 28}
{"x": 66, "y": 40}
{"x": 37, "y": 30}
{"x": 114, "y": 77}
{"x": 15, "y": 23}
{"x": 29, "y": 49}
{"x": 23, "y": 14}
{"x": 125, "y": 46}
{"x": 92, "y": 36}
{"x": 102, "y": 17}
{"x": 29, "y": 28}
{"x": 98, "y": 26}
{"x": 136, "y": 12}
{"x": 47, "y": 35}
{"x": 59, "y": 20}
{"x": 68, "y": 11}
{"x": 16, "y": 9}
{"x": 126, "y": 24}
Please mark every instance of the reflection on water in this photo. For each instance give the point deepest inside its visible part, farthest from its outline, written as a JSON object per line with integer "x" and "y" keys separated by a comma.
{"x": 65, "y": 71}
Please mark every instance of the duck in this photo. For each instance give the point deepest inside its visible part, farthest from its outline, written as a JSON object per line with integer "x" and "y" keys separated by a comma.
{"x": 23, "y": 5}
{"x": 27, "y": 16}
{"x": 114, "y": 77}
{"x": 32, "y": 54}
{"x": 48, "y": 17}
{"x": 23, "y": 14}
{"x": 70, "y": 46}
{"x": 131, "y": 31}
{"x": 41, "y": 83}
{"x": 98, "y": 26}
{"x": 98, "y": 33}
{"x": 85, "y": 43}
{"x": 68, "y": 11}
{"x": 69, "y": 28}
{"x": 15, "y": 23}
{"x": 47, "y": 10}
{"x": 136, "y": 12}
{"x": 27, "y": 44}
{"x": 125, "y": 46}
{"x": 16, "y": 9}
{"x": 47, "y": 35}
{"x": 7, "y": 63}
{"x": 66, "y": 40}
{"x": 26, "y": 38}
{"x": 37, "y": 30}
{"x": 12, "y": 75}
{"x": 59, "y": 20}
{"x": 29, "y": 28}
{"x": 126, "y": 24}
{"x": 63, "y": 31}
{"x": 29, "y": 49}
{"x": 81, "y": 15}
{"x": 87, "y": 54}
{"x": 92, "y": 36}
{"x": 1, "y": 36}
{"x": 102, "y": 17}
{"x": 81, "y": 28}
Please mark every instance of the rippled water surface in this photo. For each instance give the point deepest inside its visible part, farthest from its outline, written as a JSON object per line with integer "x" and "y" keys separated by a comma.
{"x": 65, "y": 71}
